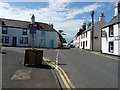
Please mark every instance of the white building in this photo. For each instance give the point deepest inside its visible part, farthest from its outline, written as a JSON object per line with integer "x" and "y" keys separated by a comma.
{"x": 76, "y": 40}
{"x": 18, "y": 33}
{"x": 86, "y": 35}
{"x": 111, "y": 34}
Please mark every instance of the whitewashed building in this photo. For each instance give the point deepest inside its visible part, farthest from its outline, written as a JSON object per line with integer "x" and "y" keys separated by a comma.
{"x": 18, "y": 33}
{"x": 86, "y": 35}
{"x": 111, "y": 34}
{"x": 76, "y": 40}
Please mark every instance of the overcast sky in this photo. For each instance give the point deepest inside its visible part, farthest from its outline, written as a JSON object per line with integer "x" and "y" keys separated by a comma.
{"x": 66, "y": 16}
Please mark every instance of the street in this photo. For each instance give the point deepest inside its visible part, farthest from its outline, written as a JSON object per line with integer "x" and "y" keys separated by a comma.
{"x": 84, "y": 69}
{"x": 16, "y": 75}
{"x": 87, "y": 70}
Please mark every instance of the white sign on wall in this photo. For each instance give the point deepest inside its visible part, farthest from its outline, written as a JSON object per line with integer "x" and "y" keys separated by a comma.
{"x": 117, "y": 37}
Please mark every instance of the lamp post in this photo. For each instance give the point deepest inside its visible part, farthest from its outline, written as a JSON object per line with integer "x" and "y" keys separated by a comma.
{"x": 92, "y": 33}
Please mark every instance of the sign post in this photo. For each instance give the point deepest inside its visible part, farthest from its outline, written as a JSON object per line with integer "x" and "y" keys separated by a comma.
{"x": 32, "y": 32}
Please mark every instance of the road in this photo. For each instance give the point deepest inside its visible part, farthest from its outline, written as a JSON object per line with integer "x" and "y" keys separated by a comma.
{"x": 85, "y": 69}
{"x": 16, "y": 75}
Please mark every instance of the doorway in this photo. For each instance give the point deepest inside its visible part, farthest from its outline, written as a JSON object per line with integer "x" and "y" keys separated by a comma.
{"x": 14, "y": 41}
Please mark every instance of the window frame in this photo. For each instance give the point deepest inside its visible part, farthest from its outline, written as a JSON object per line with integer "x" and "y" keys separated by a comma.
{"x": 4, "y": 30}
{"x": 111, "y": 29}
{"x": 24, "y": 32}
{"x": 86, "y": 43}
{"x": 23, "y": 40}
{"x": 86, "y": 34}
{"x": 111, "y": 50}
{"x": 5, "y": 39}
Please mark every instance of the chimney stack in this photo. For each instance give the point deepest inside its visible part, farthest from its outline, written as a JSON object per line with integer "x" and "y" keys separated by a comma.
{"x": 88, "y": 25}
{"x": 102, "y": 17}
{"x": 117, "y": 9}
{"x": 84, "y": 26}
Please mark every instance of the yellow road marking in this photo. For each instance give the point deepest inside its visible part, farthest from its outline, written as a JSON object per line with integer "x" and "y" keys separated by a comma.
{"x": 63, "y": 75}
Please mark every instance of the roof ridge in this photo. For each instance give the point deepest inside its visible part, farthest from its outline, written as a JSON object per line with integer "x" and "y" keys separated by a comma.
{"x": 22, "y": 21}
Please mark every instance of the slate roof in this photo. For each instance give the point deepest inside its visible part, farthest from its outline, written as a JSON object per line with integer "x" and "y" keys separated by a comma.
{"x": 0, "y": 22}
{"x": 115, "y": 20}
{"x": 25, "y": 24}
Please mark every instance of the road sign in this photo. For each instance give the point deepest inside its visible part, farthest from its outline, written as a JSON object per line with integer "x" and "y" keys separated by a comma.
{"x": 32, "y": 31}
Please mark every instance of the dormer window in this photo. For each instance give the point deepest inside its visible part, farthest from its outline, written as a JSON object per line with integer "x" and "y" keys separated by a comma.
{"x": 24, "y": 32}
{"x": 111, "y": 31}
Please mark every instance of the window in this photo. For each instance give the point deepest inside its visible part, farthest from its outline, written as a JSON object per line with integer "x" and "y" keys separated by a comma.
{"x": 111, "y": 47}
{"x": 86, "y": 43}
{"x": 104, "y": 34}
{"x": 86, "y": 34}
{"x": 43, "y": 34}
{"x": 26, "y": 40}
{"x": 24, "y": 32}
{"x": 111, "y": 33}
{"x": 5, "y": 39}
{"x": 4, "y": 30}
{"x": 23, "y": 40}
{"x": 81, "y": 44}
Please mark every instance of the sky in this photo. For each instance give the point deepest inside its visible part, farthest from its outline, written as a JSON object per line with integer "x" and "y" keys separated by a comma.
{"x": 66, "y": 16}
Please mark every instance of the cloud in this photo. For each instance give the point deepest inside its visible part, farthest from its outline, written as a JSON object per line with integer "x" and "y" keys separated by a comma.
{"x": 58, "y": 13}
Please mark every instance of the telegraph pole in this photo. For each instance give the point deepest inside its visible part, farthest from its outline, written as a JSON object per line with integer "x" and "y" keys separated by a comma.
{"x": 92, "y": 38}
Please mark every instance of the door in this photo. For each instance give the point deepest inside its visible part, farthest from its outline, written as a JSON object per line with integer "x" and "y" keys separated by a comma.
{"x": 14, "y": 41}
{"x": 51, "y": 43}
{"x": 83, "y": 45}
{"x": 42, "y": 43}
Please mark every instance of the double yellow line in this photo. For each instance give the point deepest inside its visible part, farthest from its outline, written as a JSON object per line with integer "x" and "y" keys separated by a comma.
{"x": 69, "y": 85}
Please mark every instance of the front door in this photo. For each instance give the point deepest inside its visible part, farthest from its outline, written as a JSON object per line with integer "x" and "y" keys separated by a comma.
{"x": 14, "y": 41}
{"x": 51, "y": 43}
{"x": 83, "y": 45}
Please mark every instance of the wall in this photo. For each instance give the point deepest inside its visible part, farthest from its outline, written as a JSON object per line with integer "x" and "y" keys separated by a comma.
{"x": 97, "y": 33}
{"x": 52, "y": 36}
{"x": 84, "y": 39}
{"x": 17, "y": 32}
{"x": 105, "y": 41}
{"x": 119, "y": 40}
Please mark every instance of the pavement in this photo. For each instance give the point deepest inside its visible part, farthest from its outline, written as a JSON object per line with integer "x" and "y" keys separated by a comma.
{"x": 15, "y": 75}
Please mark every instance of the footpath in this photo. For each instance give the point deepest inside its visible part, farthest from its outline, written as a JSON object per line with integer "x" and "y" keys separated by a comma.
{"x": 15, "y": 76}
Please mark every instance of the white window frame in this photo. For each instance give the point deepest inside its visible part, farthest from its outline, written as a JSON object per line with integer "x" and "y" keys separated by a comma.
{"x": 111, "y": 31}
{"x": 111, "y": 47}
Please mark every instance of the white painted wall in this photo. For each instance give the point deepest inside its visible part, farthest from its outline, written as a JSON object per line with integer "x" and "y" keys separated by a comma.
{"x": 105, "y": 41}
{"x": 76, "y": 41}
{"x": 84, "y": 39}
{"x": 17, "y": 32}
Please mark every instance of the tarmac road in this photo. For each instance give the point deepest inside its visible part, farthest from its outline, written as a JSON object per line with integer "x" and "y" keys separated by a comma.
{"x": 15, "y": 75}
{"x": 86, "y": 69}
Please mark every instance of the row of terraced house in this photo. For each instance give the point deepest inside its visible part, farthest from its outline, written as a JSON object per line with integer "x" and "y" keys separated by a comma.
{"x": 29, "y": 34}
{"x": 101, "y": 36}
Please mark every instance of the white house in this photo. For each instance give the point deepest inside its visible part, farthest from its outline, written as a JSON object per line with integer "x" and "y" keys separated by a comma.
{"x": 86, "y": 35}
{"x": 111, "y": 34}
{"x": 76, "y": 40}
{"x": 23, "y": 33}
